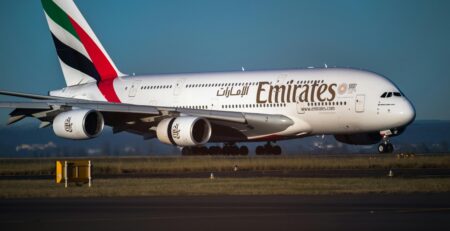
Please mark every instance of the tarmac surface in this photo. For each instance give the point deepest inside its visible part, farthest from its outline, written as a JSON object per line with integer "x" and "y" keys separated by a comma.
{"x": 341, "y": 212}
{"x": 315, "y": 173}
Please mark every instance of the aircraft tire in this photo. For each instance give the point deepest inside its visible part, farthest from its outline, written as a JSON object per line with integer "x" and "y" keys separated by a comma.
{"x": 389, "y": 148}
{"x": 382, "y": 148}
{"x": 186, "y": 151}
{"x": 243, "y": 151}
{"x": 276, "y": 150}
{"x": 214, "y": 150}
{"x": 259, "y": 150}
{"x": 234, "y": 150}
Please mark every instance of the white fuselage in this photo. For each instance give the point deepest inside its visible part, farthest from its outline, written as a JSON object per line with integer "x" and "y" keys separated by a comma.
{"x": 319, "y": 101}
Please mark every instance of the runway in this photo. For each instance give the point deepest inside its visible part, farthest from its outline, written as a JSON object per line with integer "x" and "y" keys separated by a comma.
{"x": 315, "y": 173}
{"x": 343, "y": 212}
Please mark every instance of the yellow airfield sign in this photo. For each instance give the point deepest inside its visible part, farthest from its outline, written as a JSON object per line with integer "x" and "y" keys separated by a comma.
{"x": 78, "y": 171}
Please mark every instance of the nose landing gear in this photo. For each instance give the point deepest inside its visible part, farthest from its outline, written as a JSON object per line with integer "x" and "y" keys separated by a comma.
{"x": 385, "y": 146}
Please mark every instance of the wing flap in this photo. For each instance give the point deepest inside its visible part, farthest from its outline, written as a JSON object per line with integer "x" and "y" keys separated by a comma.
{"x": 26, "y": 105}
{"x": 29, "y": 96}
{"x": 100, "y": 106}
{"x": 236, "y": 117}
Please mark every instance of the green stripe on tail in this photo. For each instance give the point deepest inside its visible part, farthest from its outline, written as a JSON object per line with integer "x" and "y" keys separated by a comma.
{"x": 59, "y": 16}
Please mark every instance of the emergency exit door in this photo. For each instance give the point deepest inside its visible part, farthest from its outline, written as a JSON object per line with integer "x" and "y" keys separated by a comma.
{"x": 359, "y": 103}
{"x": 133, "y": 88}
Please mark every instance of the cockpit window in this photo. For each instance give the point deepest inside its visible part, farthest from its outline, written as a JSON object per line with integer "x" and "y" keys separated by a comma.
{"x": 390, "y": 94}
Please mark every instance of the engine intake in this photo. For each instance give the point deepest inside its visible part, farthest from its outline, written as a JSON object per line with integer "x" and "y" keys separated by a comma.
{"x": 78, "y": 124}
{"x": 184, "y": 131}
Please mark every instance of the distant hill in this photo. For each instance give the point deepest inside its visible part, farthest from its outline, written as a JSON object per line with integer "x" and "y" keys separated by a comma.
{"x": 26, "y": 140}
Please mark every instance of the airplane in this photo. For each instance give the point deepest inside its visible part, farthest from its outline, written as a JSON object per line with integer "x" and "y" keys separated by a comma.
{"x": 190, "y": 110}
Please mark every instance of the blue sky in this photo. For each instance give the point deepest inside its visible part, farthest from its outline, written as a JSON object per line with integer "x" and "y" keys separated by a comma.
{"x": 407, "y": 41}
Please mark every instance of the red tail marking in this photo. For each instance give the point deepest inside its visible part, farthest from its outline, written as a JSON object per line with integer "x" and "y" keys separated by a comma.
{"x": 101, "y": 63}
{"x": 104, "y": 67}
{"x": 107, "y": 89}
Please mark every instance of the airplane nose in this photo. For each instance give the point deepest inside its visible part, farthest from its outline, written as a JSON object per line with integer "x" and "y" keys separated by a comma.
{"x": 408, "y": 113}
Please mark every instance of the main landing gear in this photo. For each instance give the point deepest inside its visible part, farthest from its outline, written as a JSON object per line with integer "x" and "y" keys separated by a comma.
{"x": 385, "y": 146}
{"x": 227, "y": 149}
{"x": 268, "y": 149}
{"x": 231, "y": 149}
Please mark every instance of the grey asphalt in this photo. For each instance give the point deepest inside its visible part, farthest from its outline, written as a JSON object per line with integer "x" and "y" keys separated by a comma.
{"x": 343, "y": 212}
{"x": 328, "y": 173}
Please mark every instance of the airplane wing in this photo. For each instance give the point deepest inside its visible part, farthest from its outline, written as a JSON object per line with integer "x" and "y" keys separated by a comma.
{"x": 27, "y": 95}
{"x": 142, "y": 119}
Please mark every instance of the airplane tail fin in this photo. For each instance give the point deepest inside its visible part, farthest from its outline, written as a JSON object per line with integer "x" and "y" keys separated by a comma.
{"x": 81, "y": 55}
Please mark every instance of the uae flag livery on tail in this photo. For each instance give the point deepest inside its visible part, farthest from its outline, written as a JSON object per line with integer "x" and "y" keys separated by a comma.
{"x": 81, "y": 55}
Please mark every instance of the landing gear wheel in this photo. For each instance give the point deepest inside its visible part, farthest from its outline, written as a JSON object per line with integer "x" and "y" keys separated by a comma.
{"x": 234, "y": 150}
{"x": 214, "y": 150}
{"x": 202, "y": 151}
{"x": 226, "y": 150}
{"x": 268, "y": 149}
{"x": 259, "y": 150}
{"x": 385, "y": 146}
{"x": 186, "y": 151}
{"x": 243, "y": 151}
{"x": 382, "y": 148}
{"x": 276, "y": 150}
{"x": 230, "y": 149}
{"x": 389, "y": 148}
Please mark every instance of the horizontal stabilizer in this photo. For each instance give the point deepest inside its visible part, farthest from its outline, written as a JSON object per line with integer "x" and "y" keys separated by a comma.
{"x": 44, "y": 124}
{"x": 14, "y": 119}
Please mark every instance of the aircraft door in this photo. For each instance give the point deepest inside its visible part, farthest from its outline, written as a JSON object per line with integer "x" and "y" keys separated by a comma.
{"x": 133, "y": 88}
{"x": 214, "y": 104}
{"x": 360, "y": 103}
{"x": 281, "y": 79}
{"x": 300, "y": 108}
{"x": 178, "y": 87}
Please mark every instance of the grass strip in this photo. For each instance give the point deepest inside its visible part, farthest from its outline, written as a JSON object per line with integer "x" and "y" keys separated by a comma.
{"x": 222, "y": 186}
{"x": 118, "y": 165}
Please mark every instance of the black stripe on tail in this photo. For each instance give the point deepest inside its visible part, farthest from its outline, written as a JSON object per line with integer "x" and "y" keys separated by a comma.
{"x": 75, "y": 59}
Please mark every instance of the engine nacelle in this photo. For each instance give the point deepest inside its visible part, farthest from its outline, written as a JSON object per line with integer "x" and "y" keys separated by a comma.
{"x": 184, "y": 131}
{"x": 78, "y": 124}
{"x": 359, "y": 139}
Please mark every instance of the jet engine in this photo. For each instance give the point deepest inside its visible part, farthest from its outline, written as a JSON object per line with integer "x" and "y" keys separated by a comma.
{"x": 78, "y": 124}
{"x": 184, "y": 131}
{"x": 359, "y": 139}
